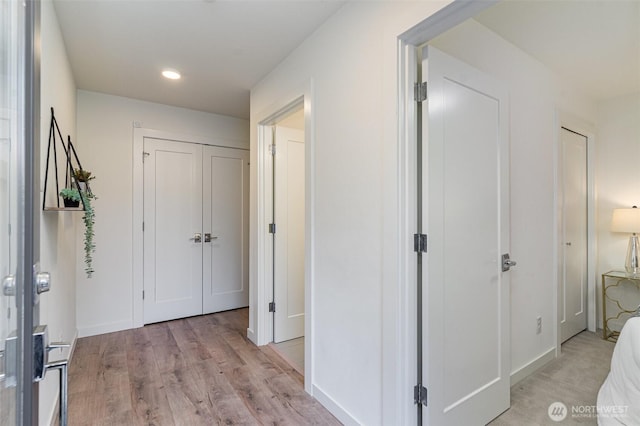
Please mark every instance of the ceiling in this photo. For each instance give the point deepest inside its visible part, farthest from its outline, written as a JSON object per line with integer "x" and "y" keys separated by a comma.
{"x": 593, "y": 44}
{"x": 223, "y": 48}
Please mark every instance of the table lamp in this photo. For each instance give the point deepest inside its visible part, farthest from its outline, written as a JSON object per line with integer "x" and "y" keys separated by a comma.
{"x": 628, "y": 220}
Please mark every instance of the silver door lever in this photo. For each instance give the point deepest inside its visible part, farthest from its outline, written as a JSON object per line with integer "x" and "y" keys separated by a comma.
{"x": 196, "y": 238}
{"x": 507, "y": 263}
{"x": 208, "y": 237}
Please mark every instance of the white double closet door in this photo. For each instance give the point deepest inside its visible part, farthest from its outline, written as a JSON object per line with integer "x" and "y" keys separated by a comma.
{"x": 196, "y": 221}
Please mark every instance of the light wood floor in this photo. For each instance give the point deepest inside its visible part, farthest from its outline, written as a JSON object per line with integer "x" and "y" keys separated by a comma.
{"x": 195, "y": 371}
{"x": 203, "y": 371}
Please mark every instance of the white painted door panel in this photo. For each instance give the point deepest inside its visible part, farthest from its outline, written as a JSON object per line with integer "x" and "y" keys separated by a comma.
{"x": 289, "y": 237}
{"x": 226, "y": 218}
{"x": 465, "y": 170}
{"x": 573, "y": 292}
{"x": 172, "y": 216}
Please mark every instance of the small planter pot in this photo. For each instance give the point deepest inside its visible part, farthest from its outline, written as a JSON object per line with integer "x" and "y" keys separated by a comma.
{"x": 71, "y": 203}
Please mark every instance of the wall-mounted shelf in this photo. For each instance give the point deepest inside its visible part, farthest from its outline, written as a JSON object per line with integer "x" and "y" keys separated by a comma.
{"x": 72, "y": 162}
{"x": 63, "y": 209}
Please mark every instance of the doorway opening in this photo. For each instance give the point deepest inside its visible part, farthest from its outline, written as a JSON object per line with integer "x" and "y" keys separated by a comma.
{"x": 287, "y": 234}
{"x": 281, "y": 298}
{"x": 460, "y": 40}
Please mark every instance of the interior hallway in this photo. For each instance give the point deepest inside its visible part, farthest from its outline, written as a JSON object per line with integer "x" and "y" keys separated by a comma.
{"x": 194, "y": 371}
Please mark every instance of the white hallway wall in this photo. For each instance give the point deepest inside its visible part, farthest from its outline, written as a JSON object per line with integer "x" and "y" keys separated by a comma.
{"x": 57, "y": 230}
{"x": 105, "y": 133}
{"x": 351, "y": 62}
{"x": 618, "y": 177}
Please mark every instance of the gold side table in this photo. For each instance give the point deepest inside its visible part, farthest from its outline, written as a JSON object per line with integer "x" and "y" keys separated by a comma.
{"x": 621, "y": 292}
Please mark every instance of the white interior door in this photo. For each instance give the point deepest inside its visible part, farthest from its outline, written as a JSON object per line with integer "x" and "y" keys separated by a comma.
{"x": 573, "y": 292}
{"x": 466, "y": 356}
{"x": 289, "y": 237}
{"x": 226, "y": 219}
{"x": 172, "y": 222}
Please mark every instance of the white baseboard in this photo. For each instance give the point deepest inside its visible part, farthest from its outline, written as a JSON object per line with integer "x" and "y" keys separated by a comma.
{"x": 94, "y": 330}
{"x": 251, "y": 336}
{"x": 333, "y": 407}
{"x": 533, "y": 366}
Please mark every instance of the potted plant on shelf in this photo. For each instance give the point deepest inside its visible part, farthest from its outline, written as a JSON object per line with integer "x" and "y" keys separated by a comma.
{"x": 83, "y": 177}
{"x": 83, "y": 194}
{"x": 70, "y": 197}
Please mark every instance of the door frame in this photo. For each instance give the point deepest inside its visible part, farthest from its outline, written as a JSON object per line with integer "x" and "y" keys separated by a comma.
{"x": 261, "y": 265}
{"x": 569, "y": 121}
{"x": 139, "y": 134}
{"x": 28, "y": 224}
{"x": 404, "y": 317}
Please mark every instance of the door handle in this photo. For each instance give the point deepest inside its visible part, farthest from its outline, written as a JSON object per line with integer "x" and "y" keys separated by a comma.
{"x": 507, "y": 263}
{"x": 43, "y": 282}
{"x": 196, "y": 238}
{"x": 9, "y": 285}
{"x": 208, "y": 237}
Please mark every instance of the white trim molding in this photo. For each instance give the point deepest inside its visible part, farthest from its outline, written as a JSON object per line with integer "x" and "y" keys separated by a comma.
{"x": 532, "y": 366}
{"x": 336, "y": 409}
{"x": 261, "y": 258}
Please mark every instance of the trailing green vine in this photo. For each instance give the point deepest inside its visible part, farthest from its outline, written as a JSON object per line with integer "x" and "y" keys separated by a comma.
{"x": 89, "y": 219}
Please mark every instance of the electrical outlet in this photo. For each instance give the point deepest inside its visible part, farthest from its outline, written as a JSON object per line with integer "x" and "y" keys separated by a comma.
{"x": 538, "y": 325}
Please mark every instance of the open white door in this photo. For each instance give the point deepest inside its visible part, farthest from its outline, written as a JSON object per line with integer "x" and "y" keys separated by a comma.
{"x": 573, "y": 291}
{"x": 172, "y": 230}
{"x": 289, "y": 238}
{"x": 225, "y": 226}
{"x": 466, "y": 356}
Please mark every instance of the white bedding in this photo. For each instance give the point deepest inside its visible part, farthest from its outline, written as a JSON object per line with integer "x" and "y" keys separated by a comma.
{"x": 619, "y": 397}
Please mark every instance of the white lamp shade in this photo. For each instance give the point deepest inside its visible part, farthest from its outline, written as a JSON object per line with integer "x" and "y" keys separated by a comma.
{"x": 626, "y": 220}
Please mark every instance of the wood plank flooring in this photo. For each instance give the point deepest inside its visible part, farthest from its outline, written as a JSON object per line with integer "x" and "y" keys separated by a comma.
{"x": 203, "y": 371}
{"x": 195, "y": 371}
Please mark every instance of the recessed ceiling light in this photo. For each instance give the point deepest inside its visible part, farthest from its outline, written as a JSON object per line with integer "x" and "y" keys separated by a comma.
{"x": 171, "y": 74}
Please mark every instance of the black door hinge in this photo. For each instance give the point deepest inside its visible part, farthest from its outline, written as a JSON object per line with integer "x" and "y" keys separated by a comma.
{"x": 420, "y": 243}
{"x": 420, "y": 395}
{"x": 420, "y": 92}
{"x": 272, "y": 228}
{"x": 272, "y": 306}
